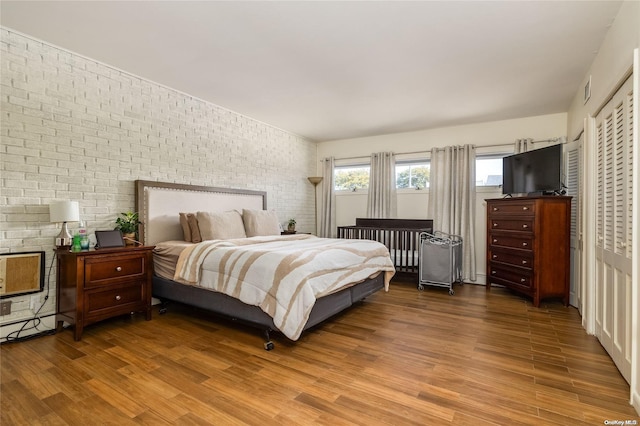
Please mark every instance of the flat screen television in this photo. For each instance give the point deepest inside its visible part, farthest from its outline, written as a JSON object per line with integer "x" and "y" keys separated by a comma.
{"x": 533, "y": 172}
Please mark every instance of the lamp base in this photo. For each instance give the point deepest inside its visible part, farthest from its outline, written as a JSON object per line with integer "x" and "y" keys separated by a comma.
{"x": 64, "y": 238}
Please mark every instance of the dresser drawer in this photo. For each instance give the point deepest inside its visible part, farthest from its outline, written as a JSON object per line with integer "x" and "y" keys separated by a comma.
{"x": 521, "y": 258}
{"x": 524, "y": 241}
{"x": 105, "y": 270}
{"x": 510, "y": 207}
{"x": 115, "y": 299}
{"x": 511, "y": 276}
{"x": 511, "y": 224}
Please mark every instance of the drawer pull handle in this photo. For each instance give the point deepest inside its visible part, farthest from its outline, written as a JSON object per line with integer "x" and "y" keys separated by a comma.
{"x": 522, "y": 280}
{"x": 493, "y": 272}
{"x": 495, "y": 240}
{"x": 524, "y": 244}
{"x": 495, "y": 225}
{"x": 119, "y": 268}
{"x": 495, "y": 209}
{"x": 525, "y": 226}
{"x": 525, "y": 208}
{"x": 524, "y": 262}
{"x": 118, "y": 297}
{"x": 495, "y": 256}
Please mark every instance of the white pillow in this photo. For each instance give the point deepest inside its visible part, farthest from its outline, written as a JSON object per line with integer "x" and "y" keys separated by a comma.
{"x": 260, "y": 222}
{"x": 220, "y": 225}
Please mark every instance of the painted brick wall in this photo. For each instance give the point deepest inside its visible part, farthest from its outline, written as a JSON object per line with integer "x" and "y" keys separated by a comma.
{"x": 73, "y": 128}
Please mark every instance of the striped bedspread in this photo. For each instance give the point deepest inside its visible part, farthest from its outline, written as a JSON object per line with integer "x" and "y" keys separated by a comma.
{"x": 283, "y": 275}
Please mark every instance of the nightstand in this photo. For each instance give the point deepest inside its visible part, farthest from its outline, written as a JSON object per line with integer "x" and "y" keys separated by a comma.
{"x": 94, "y": 285}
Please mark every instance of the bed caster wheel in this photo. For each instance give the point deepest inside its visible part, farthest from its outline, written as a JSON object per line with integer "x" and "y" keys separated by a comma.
{"x": 268, "y": 346}
{"x": 420, "y": 287}
{"x": 451, "y": 292}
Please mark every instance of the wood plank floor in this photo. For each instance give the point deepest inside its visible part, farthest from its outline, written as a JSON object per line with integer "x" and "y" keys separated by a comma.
{"x": 404, "y": 357}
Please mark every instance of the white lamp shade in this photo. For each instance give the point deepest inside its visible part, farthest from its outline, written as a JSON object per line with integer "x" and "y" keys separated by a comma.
{"x": 64, "y": 211}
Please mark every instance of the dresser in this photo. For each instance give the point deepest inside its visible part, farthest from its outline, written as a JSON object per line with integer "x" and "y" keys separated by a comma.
{"x": 528, "y": 245}
{"x": 95, "y": 285}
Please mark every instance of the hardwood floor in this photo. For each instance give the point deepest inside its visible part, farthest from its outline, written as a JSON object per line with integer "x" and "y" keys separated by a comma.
{"x": 403, "y": 357}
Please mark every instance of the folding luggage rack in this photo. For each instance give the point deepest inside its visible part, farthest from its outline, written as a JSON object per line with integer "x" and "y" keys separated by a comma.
{"x": 440, "y": 260}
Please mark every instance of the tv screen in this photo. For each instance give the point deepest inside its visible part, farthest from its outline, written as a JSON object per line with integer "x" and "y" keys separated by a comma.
{"x": 536, "y": 171}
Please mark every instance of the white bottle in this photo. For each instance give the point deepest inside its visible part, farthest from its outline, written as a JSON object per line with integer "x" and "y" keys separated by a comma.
{"x": 84, "y": 237}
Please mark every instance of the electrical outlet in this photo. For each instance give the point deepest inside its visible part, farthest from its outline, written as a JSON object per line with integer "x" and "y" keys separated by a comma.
{"x": 5, "y": 307}
{"x": 34, "y": 304}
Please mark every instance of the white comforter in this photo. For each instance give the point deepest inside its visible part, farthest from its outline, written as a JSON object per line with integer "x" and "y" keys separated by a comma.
{"x": 283, "y": 275}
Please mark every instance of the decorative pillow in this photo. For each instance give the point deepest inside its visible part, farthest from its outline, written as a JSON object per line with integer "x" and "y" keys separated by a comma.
{"x": 220, "y": 225}
{"x": 260, "y": 222}
{"x": 186, "y": 231}
{"x": 194, "y": 227}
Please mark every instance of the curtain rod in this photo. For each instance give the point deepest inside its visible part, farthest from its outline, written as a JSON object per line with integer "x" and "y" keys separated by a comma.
{"x": 429, "y": 150}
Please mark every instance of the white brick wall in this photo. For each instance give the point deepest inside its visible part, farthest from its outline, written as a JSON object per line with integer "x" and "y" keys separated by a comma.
{"x": 73, "y": 128}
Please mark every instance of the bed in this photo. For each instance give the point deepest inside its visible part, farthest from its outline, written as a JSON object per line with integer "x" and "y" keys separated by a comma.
{"x": 400, "y": 236}
{"x": 209, "y": 285}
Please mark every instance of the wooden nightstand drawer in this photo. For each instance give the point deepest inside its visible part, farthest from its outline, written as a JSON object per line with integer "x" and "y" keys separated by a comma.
{"x": 114, "y": 298}
{"x": 104, "y": 270}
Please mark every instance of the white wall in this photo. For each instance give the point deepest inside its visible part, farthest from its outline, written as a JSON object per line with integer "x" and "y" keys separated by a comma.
{"x": 413, "y": 204}
{"x": 76, "y": 129}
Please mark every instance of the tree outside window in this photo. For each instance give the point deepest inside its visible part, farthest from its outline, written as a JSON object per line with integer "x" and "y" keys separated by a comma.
{"x": 351, "y": 178}
{"x": 412, "y": 176}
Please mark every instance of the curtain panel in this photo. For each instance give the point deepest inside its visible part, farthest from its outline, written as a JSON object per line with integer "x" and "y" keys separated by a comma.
{"x": 382, "y": 201}
{"x": 328, "y": 210}
{"x": 452, "y": 198}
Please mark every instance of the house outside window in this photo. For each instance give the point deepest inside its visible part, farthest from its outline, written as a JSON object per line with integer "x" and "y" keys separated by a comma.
{"x": 489, "y": 170}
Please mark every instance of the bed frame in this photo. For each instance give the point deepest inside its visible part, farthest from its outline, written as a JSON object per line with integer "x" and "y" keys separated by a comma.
{"x": 159, "y": 205}
{"x": 400, "y": 236}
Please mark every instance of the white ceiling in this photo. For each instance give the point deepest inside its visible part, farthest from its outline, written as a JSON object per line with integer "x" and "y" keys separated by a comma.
{"x": 336, "y": 70}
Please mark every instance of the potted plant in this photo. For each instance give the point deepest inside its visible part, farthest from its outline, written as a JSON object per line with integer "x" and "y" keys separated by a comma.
{"x": 128, "y": 223}
{"x": 291, "y": 225}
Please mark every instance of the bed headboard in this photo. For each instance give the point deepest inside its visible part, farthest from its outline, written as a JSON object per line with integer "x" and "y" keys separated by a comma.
{"x": 160, "y": 203}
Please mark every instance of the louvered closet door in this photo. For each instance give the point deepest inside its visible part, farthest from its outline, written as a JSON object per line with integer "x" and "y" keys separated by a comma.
{"x": 613, "y": 227}
{"x": 573, "y": 168}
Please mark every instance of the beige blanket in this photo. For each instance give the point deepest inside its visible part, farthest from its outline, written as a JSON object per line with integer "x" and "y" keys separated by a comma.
{"x": 283, "y": 275}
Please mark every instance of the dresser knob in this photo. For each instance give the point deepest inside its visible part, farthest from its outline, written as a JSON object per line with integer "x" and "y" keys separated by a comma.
{"x": 495, "y": 256}
{"x": 524, "y": 244}
{"x": 118, "y": 297}
{"x": 525, "y": 226}
{"x": 495, "y": 209}
{"x": 493, "y": 272}
{"x": 525, "y": 208}
{"x": 522, "y": 280}
{"x": 495, "y": 225}
{"x": 119, "y": 268}
{"x": 495, "y": 240}
{"x": 524, "y": 262}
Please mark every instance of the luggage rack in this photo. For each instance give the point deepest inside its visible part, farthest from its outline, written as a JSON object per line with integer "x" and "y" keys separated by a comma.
{"x": 440, "y": 260}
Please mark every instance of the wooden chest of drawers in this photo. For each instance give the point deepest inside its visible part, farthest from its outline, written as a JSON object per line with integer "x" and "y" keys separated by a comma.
{"x": 98, "y": 284}
{"x": 528, "y": 245}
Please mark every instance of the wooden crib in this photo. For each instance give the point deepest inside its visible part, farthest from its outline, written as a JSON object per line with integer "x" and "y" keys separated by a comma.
{"x": 400, "y": 236}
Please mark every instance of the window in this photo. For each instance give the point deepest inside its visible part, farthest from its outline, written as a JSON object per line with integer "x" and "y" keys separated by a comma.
{"x": 351, "y": 178}
{"x": 489, "y": 170}
{"x": 412, "y": 175}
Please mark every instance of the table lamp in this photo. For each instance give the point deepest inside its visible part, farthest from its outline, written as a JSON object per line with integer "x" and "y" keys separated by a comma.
{"x": 64, "y": 211}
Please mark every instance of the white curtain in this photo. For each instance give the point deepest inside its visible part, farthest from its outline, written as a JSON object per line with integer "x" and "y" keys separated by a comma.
{"x": 452, "y": 199}
{"x": 523, "y": 145}
{"x": 382, "y": 201}
{"x": 328, "y": 210}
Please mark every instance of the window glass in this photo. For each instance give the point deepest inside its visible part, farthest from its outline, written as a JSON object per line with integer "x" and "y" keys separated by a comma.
{"x": 351, "y": 178}
{"x": 412, "y": 175}
{"x": 488, "y": 170}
